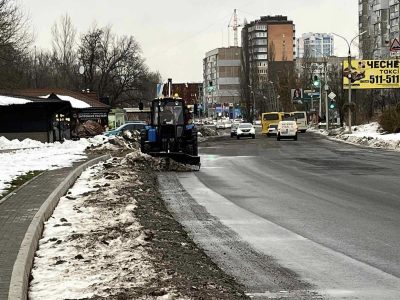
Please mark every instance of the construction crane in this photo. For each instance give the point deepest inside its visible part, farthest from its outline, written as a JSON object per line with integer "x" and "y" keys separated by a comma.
{"x": 233, "y": 22}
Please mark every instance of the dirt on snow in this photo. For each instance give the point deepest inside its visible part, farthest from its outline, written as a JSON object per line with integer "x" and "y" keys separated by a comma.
{"x": 181, "y": 270}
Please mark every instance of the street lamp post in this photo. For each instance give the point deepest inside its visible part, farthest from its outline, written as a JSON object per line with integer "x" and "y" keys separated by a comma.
{"x": 254, "y": 102}
{"x": 325, "y": 70}
{"x": 349, "y": 66}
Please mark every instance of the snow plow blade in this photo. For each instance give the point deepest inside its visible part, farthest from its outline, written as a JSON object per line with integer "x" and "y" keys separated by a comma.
{"x": 179, "y": 157}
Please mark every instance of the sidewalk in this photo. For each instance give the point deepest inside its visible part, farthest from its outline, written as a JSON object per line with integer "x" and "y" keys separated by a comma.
{"x": 16, "y": 214}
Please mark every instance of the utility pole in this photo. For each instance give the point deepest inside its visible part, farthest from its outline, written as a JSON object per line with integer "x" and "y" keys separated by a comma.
{"x": 326, "y": 87}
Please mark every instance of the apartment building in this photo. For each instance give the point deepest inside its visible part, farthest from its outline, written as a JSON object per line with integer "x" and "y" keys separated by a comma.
{"x": 221, "y": 76}
{"x": 394, "y": 19}
{"x": 268, "y": 39}
{"x": 375, "y": 19}
{"x": 315, "y": 45}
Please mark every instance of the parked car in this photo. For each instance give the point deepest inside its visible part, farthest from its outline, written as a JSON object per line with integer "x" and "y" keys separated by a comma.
{"x": 234, "y": 129}
{"x": 272, "y": 130}
{"x": 287, "y": 129}
{"x": 131, "y": 126}
{"x": 245, "y": 129}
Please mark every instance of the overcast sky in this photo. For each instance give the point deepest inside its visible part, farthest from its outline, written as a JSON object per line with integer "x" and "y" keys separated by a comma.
{"x": 176, "y": 34}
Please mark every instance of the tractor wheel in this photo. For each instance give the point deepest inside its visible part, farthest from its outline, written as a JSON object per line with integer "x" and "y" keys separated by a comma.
{"x": 191, "y": 146}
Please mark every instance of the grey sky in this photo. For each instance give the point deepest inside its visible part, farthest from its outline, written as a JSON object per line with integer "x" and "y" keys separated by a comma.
{"x": 176, "y": 34}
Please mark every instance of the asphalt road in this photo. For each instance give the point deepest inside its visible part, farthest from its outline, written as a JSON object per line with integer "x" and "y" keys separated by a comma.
{"x": 327, "y": 212}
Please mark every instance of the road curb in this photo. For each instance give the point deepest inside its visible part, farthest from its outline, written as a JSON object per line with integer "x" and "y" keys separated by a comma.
{"x": 18, "y": 289}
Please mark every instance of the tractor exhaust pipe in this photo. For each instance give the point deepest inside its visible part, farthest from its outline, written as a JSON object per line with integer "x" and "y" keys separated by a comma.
{"x": 169, "y": 87}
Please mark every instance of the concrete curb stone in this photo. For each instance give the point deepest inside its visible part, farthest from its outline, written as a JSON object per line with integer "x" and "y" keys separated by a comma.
{"x": 18, "y": 289}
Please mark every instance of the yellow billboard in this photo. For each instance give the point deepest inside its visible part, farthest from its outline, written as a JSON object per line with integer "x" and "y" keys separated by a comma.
{"x": 372, "y": 74}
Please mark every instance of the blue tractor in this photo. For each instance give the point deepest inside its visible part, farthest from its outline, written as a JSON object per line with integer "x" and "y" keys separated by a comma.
{"x": 170, "y": 133}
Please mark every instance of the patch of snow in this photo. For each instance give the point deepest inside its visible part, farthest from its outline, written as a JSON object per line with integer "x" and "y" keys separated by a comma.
{"x": 367, "y": 135}
{"x": 6, "y": 144}
{"x": 6, "y": 100}
{"x": 92, "y": 245}
{"x": 39, "y": 156}
{"x": 75, "y": 103}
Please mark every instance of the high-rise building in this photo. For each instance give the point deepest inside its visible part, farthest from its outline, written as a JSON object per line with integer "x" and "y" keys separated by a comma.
{"x": 394, "y": 17}
{"x": 269, "y": 39}
{"x": 375, "y": 20}
{"x": 314, "y": 45}
{"x": 221, "y": 77}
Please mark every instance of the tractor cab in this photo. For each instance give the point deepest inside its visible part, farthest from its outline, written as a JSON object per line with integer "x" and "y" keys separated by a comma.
{"x": 170, "y": 133}
{"x": 168, "y": 112}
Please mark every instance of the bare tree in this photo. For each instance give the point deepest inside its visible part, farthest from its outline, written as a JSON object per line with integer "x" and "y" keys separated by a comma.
{"x": 15, "y": 38}
{"x": 113, "y": 65}
{"x": 14, "y": 30}
{"x": 89, "y": 56}
{"x": 64, "y": 43}
{"x": 64, "y": 51}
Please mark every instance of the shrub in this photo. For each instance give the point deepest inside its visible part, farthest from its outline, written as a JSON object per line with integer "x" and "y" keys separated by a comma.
{"x": 390, "y": 120}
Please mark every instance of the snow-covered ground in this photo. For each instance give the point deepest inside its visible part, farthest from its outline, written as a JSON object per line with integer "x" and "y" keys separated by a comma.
{"x": 19, "y": 157}
{"x": 369, "y": 135}
{"x": 93, "y": 245}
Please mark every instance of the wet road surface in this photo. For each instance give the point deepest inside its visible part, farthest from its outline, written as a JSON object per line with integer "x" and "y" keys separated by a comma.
{"x": 327, "y": 211}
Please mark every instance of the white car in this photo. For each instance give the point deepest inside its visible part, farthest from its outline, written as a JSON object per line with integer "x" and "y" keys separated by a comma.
{"x": 272, "y": 130}
{"x": 245, "y": 129}
{"x": 287, "y": 130}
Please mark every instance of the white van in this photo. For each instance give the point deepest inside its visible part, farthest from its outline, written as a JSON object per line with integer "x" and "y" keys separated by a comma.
{"x": 301, "y": 120}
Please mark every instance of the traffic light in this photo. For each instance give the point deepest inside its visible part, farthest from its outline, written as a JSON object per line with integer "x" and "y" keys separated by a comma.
{"x": 140, "y": 105}
{"x": 316, "y": 81}
{"x": 332, "y": 104}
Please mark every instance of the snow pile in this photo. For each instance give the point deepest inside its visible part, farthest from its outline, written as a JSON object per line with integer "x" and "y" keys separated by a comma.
{"x": 36, "y": 156}
{"x": 93, "y": 245}
{"x": 370, "y": 135}
{"x": 29, "y": 155}
{"x": 207, "y": 131}
{"x": 6, "y": 144}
